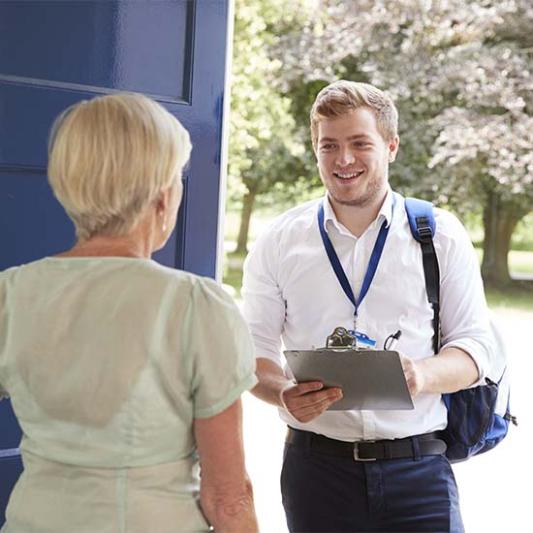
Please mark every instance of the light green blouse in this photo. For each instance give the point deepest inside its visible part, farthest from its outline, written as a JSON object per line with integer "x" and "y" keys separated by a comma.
{"x": 107, "y": 362}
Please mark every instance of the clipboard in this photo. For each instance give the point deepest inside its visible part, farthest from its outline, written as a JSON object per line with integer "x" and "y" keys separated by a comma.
{"x": 369, "y": 379}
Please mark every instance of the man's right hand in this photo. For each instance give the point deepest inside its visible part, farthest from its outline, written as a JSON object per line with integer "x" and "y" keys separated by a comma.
{"x": 306, "y": 401}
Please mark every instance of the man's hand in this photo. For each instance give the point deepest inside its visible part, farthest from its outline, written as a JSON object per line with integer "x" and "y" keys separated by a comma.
{"x": 413, "y": 375}
{"x": 306, "y": 401}
{"x": 452, "y": 369}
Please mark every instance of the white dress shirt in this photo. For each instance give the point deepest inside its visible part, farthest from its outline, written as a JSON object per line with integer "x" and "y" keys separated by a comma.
{"x": 292, "y": 294}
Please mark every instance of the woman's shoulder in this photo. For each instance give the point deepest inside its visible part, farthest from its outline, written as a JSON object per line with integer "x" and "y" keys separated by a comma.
{"x": 203, "y": 290}
{"x": 10, "y": 274}
{"x": 148, "y": 276}
{"x": 210, "y": 293}
{"x": 182, "y": 277}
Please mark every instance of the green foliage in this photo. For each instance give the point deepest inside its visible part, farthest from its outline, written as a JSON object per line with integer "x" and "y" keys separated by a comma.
{"x": 264, "y": 149}
{"x": 521, "y": 263}
{"x": 522, "y": 239}
{"x": 461, "y": 77}
{"x": 460, "y": 73}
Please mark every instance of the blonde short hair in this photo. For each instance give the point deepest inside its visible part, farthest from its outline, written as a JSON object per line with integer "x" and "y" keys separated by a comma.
{"x": 109, "y": 157}
{"x": 343, "y": 96}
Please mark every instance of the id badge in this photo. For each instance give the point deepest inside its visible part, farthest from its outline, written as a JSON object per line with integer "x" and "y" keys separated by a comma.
{"x": 363, "y": 340}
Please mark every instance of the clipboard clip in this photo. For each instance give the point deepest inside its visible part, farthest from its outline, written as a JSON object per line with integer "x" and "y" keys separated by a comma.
{"x": 341, "y": 338}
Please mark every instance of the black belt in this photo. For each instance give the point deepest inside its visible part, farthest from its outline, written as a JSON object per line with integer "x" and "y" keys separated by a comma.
{"x": 417, "y": 445}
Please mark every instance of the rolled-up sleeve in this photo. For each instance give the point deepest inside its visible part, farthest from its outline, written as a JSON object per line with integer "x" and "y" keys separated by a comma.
{"x": 264, "y": 306}
{"x": 464, "y": 314}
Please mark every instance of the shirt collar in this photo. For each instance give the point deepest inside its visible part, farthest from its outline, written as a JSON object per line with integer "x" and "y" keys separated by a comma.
{"x": 385, "y": 213}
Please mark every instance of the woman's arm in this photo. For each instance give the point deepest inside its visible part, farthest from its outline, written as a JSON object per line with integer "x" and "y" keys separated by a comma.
{"x": 225, "y": 490}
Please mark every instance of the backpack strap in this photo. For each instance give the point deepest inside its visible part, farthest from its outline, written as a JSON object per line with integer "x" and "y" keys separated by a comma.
{"x": 422, "y": 224}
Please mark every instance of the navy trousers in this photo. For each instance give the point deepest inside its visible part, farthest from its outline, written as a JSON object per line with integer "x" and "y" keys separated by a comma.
{"x": 329, "y": 494}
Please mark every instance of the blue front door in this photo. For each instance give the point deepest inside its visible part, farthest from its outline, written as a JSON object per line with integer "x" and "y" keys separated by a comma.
{"x": 53, "y": 54}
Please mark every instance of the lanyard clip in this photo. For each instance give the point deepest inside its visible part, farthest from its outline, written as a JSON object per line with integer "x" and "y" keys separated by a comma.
{"x": 341, "y": 338}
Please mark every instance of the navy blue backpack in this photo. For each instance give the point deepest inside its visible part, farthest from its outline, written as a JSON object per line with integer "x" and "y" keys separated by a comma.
{"x": 479, "y": 417}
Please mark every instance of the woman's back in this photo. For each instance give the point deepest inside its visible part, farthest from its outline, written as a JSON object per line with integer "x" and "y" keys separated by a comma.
{"x": 107, "y": 362}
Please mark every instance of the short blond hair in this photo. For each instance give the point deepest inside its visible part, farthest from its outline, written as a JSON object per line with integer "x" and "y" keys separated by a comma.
{"x": 343, "y": 96}
{"x": 109, "y": 157}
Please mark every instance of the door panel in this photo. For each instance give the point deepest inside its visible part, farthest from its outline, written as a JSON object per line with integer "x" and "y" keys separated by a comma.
{"x": 100, "y": 45}
{"x": 54, "y": 54}
{"x": 29, "y": 105}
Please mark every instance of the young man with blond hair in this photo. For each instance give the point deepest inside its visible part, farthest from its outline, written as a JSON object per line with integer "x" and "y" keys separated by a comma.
{"x": 292, "y": 293}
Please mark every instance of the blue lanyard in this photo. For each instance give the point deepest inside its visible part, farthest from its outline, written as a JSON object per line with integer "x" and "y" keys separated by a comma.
{"x": 336, "y": 264}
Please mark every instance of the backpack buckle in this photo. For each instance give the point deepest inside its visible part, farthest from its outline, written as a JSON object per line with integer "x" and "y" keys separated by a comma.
{"x": 423, "y": 228}
{"x": 424, "y": 232}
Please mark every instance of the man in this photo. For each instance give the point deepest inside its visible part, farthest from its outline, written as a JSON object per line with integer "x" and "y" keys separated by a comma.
{"x": 292, "y": 292}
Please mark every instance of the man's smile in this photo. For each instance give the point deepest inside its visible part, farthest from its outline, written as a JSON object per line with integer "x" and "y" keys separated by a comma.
{"x": 348, "y": 175}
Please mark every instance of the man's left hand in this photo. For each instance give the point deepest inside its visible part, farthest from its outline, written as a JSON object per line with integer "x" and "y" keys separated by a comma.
{"x": 413, "y": 375}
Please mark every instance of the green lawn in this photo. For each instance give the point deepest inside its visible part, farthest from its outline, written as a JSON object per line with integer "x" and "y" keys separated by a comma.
{"x": 518, "y": 299}
{"x": 520, "y": 263}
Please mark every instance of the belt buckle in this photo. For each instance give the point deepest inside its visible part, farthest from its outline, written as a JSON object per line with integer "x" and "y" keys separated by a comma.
{"x": 356, "y": 452}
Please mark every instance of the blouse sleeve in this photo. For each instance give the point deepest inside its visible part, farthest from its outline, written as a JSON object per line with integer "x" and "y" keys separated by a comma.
{"x": 221, "y": 349}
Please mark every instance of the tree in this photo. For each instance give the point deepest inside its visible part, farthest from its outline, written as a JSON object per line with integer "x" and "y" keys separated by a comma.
{"x": 264, "y": 147}
{"x": 460, "y": 73}
{"x": 488, "y": 142}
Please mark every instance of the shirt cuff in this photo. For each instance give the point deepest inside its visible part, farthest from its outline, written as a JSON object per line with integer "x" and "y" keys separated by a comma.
{"x": 478, "y": 354}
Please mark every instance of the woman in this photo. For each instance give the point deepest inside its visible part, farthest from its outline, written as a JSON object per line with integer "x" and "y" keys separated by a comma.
{"x": 124, "y": 374}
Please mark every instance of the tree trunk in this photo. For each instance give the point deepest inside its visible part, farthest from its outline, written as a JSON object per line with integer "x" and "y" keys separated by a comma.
{"x": 244, "y": 228}
{"x": 499, "y": 222}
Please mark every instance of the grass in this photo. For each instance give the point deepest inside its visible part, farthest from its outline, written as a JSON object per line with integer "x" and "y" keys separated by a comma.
{"x": 520, "y": 263}
{"x": 512, "y": 298}
{"x": 233, "y": 270}
{"x": 515, "y": 298}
